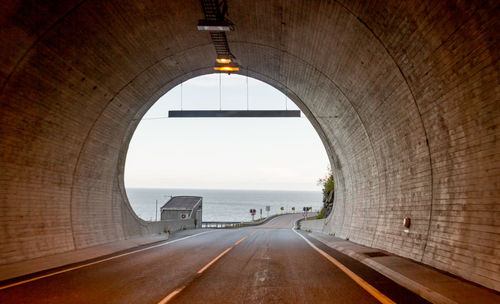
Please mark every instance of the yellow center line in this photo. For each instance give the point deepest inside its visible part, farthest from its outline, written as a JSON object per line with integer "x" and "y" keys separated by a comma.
{"x": 253, "y": 232}
{"x": 171, "y": 295}
{"x": 365, "y": 285}
{"x": 214, "y": 260}
{"x": 97, "y": 262}
{"x": 240, "y": 241}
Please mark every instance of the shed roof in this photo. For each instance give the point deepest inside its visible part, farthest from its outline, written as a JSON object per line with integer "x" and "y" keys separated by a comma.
{"x": 182, "y": 202}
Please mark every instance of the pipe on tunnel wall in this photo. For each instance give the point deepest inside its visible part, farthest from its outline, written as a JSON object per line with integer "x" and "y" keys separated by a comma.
{"x": 404, "y": 96}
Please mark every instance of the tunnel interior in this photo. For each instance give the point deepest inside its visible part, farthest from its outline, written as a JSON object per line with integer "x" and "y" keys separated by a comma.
{"x": 404, "y": 96}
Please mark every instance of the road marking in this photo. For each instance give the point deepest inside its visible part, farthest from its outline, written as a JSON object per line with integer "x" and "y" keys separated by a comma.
{"x": 220, "y": 255}
{"x": 171, "y": 295}
{"x": 241, "y": 240}
{"x": 365, "y": 285}
{"x": 99, "y": 261}
{"x": 253, "y": 232}
{"x": 214, "y": 260}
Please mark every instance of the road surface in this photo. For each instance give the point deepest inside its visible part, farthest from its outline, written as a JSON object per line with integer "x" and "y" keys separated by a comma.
{"x": 264, "y": 264}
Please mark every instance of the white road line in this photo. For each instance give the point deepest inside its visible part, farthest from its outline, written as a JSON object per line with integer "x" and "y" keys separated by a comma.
{"x": 365, "y": 285}
{"x": 99, "y": 261}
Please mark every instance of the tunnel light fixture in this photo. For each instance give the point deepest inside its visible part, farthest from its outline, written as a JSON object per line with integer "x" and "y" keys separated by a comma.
{"x": 227, "y": 68}
{"x": 223, "y": 59}
{"x": 215, "y": 25}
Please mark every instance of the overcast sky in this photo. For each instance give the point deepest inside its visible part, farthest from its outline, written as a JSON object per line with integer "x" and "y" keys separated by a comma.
{"x": 224, "y": 153}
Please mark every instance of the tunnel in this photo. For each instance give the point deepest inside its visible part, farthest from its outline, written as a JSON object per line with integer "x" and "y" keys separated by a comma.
{"x": 404, "y": 95}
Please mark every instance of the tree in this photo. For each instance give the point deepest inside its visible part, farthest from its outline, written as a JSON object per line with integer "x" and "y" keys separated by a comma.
{"x": 328, "y": 184}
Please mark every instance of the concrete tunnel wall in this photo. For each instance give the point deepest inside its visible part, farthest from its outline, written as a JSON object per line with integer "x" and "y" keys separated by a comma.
{"x": 405, "y": 96}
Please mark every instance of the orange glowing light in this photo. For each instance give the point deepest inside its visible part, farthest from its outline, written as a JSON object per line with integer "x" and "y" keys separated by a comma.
{"x": 223, "y": 60}
{"x": 227, "y": 68}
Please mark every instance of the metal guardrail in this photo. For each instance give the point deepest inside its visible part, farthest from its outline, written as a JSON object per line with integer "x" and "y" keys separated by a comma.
{"x": 221, "y": 224}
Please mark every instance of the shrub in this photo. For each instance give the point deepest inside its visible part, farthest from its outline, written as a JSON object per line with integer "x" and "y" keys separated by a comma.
{"x": 321, "y": 214}
{"x": 327, "y": 182}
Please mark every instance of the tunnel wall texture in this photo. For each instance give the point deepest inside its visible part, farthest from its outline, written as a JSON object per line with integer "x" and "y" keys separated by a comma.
{"x": 404, "y": 94}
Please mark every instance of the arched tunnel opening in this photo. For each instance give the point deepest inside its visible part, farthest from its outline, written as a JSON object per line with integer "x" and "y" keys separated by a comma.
{"x": 404, "y": 96}
{"x": 234, "y": 163}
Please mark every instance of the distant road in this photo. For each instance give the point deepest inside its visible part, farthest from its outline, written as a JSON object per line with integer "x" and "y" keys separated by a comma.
{"x": 270, "y": 263}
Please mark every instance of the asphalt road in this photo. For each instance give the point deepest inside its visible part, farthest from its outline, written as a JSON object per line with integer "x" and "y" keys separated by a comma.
{"x": 264, "y": 264}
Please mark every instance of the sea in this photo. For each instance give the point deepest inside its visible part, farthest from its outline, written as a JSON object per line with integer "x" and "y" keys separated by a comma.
{"x": 226, "y": 205}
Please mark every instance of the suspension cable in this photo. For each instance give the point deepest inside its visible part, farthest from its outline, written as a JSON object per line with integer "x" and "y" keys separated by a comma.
{"x": 247, "y": 92}
{"x": 220, "y": 92}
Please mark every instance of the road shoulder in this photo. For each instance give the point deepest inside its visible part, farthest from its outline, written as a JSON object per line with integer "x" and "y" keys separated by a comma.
{"x": 19, "y": 270}
{"x": 427, "y": 282}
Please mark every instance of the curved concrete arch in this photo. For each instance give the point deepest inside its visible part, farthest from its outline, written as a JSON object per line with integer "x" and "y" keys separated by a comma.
{"x": 338, "y": 174}
{"x": 208, "y": 70}
{"x": 404, "y": 95}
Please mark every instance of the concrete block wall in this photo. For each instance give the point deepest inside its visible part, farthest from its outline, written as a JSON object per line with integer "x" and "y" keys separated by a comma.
{"x": 404, "y": 96}
{"x": 172, "y": 226}
{"x": 313, "y": 225}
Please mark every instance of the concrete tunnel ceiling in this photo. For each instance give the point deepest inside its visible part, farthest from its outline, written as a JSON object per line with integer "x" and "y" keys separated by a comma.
{"x": 403, "y": 93}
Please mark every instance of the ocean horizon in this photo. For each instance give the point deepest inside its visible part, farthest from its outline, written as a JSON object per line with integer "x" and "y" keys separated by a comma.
{"x": 225, "y": 204}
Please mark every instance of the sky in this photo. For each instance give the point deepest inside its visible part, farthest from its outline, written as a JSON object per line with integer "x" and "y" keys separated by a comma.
{"x": 224, "y": 153}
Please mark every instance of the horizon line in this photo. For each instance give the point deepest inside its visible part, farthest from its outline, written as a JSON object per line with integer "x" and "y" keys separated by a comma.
{"x": 238, "y": 189}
